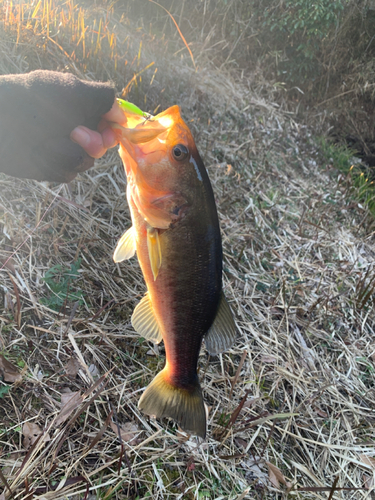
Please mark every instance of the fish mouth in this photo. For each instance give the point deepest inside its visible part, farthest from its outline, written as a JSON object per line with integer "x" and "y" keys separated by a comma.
{"x": 145, "y": 139}
{"x": 140, "y": 127}
{"x": 142, "y": 133}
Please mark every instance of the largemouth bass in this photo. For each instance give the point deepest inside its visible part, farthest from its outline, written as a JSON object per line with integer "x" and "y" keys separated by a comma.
{"x": 176, "y": 236}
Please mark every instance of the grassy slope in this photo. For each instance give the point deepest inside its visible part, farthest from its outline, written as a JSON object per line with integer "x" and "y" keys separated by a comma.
{"x": 298, "y": 261}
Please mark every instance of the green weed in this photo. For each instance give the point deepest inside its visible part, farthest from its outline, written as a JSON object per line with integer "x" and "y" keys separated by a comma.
{"x": 59, "y": 280}
{"x": 360, "y": 184}
{"x": 4, "y": 390}
{"x": 339, "y": 156}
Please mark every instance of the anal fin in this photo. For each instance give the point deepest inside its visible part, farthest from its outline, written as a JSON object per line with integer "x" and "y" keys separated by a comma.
{"x": 144, "y": 321}
{"x": 126, "y": 246}
{"x": 222, "y": 332}
{"x": 154, "y": 250}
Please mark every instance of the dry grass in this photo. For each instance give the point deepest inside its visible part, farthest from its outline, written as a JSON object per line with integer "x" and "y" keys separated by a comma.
{"x": 291, "y": 404}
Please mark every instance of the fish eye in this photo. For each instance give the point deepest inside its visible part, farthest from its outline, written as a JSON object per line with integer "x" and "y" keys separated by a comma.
{"x": 180, "y": 152}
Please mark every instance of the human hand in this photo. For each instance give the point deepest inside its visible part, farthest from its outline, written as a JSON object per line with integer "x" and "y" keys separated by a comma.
{"x": 96, "y": 142}
{"x": 38, "y": 112}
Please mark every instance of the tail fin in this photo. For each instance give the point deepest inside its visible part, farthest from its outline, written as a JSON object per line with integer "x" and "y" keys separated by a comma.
{"x": 185, "y": 406}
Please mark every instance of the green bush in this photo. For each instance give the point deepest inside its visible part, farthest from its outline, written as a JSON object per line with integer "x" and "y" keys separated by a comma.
{"x": 299, "y": 28}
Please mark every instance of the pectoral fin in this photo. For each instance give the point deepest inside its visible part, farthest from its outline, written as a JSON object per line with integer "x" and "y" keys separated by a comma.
{"x": 222, "y": 332}
{"x": 154, "y": 250}
{"x": 126, "y": 246}
{"x": 144, "y": 321}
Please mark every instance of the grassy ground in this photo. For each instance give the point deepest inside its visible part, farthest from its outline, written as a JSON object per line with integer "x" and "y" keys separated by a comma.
{"x": 291, "y": 405}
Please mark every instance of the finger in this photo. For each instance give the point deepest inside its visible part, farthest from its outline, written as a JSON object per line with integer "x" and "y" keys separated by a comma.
{"x": 109, "y": 138}
{"x": 116, "y": 114}
{"x": 90, "y": 140}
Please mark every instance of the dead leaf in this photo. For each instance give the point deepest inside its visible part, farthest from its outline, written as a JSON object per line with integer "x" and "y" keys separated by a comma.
{"x": 368, "y": 460}
{"x": 320, "y": 412}
{"x": 70, "y": 398}
{"x": 18, "y": 314}
{"x": 207, "y": 410}
{"x": 254, "y": 468}
{"x": 8, "y": 302}
{"x": 15, "y": 455}
{"x": 250, "y": 402}
{"x": 72, "y": 367}
{"x": 182, "y": 436}
{"x": 241, "y": 443}
{"x": 308, "y": 355}
{"x": 129, "y": 432}
{"x": 272, "y": 477}
{"x": 9, "y": 371}
{"x": 94, "y": 370}
{"x": 276, "y": 476}
{"x": 31, "y": 433}
{"x": 8, "y": 263}
{"x": 69, "y": 402}
{"x": 190, "y": 465}
{"x": 268, "y": 359}
{"x": 368, "y": 482}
